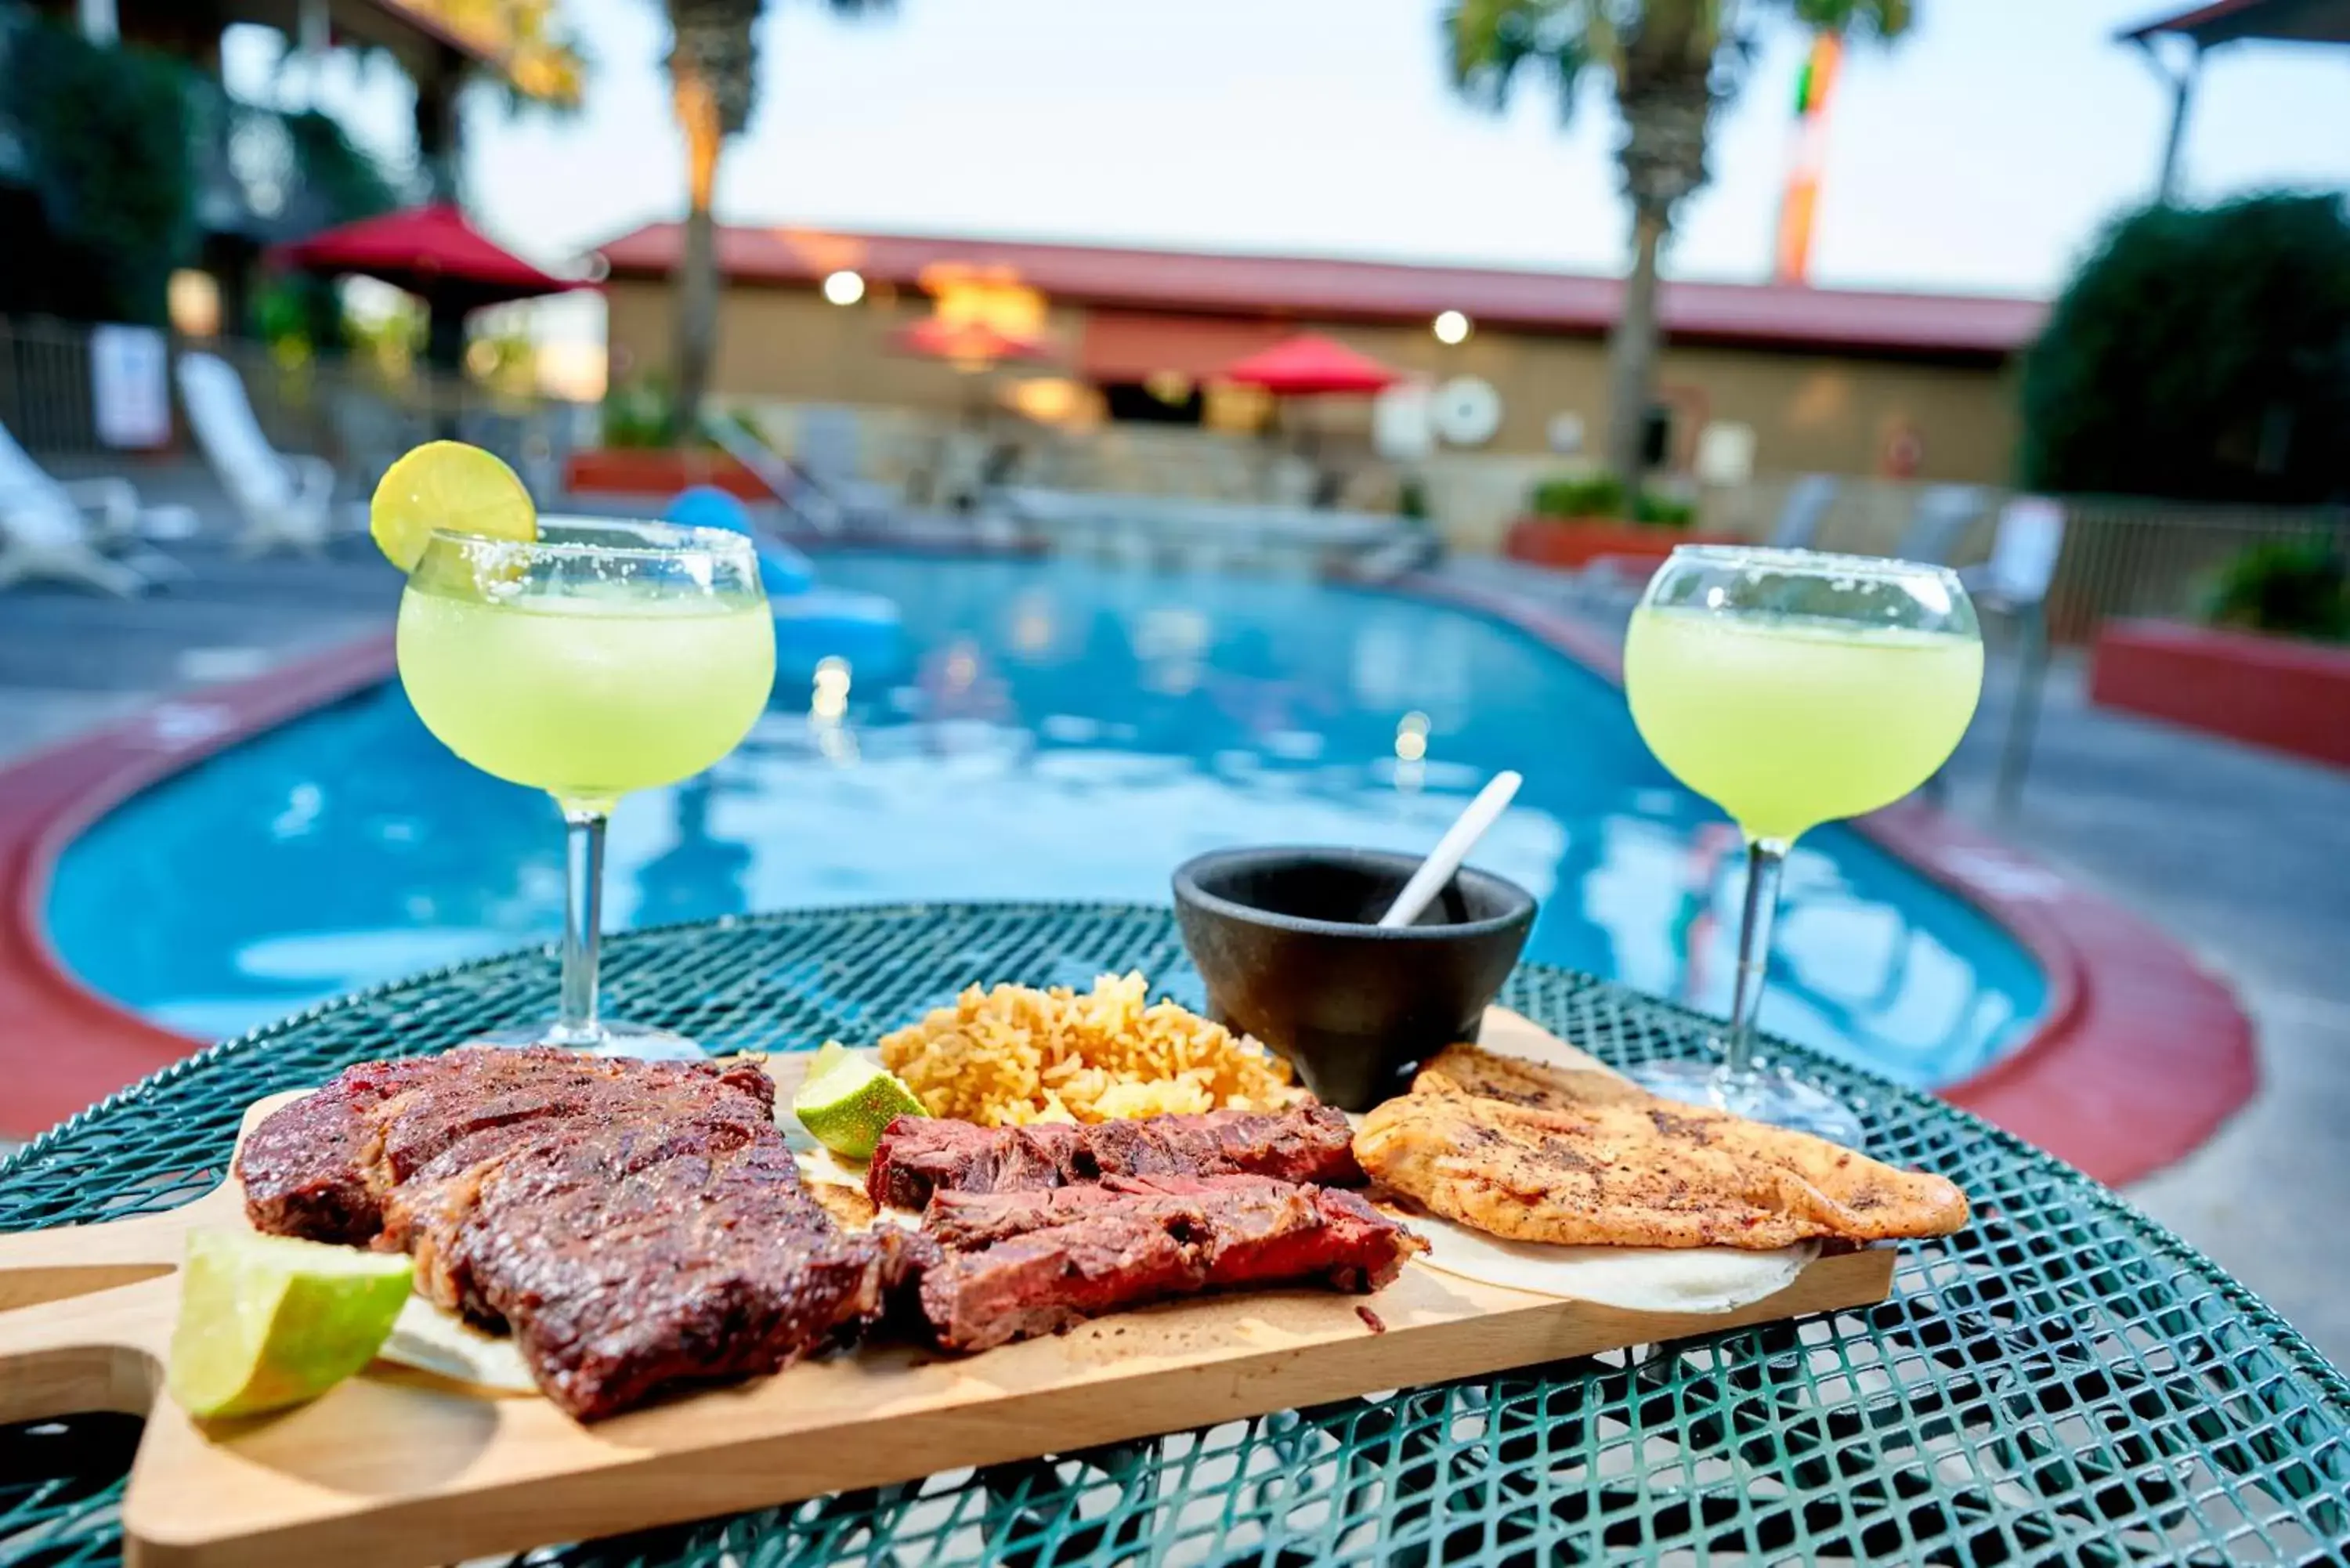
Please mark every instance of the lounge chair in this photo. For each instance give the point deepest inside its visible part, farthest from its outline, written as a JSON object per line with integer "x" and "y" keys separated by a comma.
{"x": 54, "y": 530}
{"x": 285, "y": 500}
{"x": 2014, "y": 586}
{"x": 1807, "y": 504}
{"x": 2011, "y": 585}
{"x": 1939, "y": 522}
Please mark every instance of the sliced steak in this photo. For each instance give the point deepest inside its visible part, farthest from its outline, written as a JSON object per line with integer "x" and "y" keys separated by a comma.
{"x": 918, "y": 1156}
{"x": 1313, "y": 1144}
{"x": 1038, "y": 1263}
{"x": 962, "y": 1221}
{"x": 636, "y": 1223}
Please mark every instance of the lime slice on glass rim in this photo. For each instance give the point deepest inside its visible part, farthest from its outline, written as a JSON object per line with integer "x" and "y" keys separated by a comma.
{"x": 846, "y": 1101}
{"x": 448, "y": 485}
{"x": 267, "y": 1321}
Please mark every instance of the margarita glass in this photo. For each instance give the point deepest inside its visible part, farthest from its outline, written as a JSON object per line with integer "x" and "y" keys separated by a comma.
{"x": 599, "y": 658}
{"x": 1792, "y": 688}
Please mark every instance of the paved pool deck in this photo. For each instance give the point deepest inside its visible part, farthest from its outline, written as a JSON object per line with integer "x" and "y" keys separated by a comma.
{"x": 2244, "y": 857}
{"x": 2239, "y": 855}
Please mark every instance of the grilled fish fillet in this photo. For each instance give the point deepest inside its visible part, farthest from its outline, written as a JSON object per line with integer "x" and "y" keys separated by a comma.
{"x": 1641, "y": 1173}
{"x": 1470, "y": 1070}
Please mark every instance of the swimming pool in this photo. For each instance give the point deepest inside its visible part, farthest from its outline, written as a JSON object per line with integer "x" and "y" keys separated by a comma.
{"x": 1052, "y": 730}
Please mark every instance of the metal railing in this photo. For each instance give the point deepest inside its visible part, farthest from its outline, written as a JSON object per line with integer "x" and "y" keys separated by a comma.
{"x": 343, "y": 410}
{"x": 2125, "y": 556}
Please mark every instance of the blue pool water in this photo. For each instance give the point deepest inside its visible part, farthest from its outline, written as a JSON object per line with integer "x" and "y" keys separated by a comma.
{"x": 1054, "y": 730}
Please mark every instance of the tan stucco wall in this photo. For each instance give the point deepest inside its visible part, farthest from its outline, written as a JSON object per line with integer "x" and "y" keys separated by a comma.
{"x": 1809, "y": 411}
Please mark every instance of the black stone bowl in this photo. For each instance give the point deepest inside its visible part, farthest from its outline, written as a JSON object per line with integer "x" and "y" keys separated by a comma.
{"x": 1288, "y": 942}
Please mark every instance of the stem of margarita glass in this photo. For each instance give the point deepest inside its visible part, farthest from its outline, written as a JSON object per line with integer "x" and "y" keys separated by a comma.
{"x": 583, "y": 926}
{"x": 1765, "y": 857}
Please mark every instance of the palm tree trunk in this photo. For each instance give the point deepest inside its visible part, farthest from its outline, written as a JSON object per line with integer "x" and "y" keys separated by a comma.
{"x": 697, "y": 320}
{"x": 1632, "y": 351}
{"x": 699, "y": 115}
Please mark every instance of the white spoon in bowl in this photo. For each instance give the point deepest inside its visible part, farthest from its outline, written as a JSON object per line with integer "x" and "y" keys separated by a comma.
{"x": 1451, "y": 850}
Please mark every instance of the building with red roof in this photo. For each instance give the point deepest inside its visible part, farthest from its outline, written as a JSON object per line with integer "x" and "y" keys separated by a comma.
{"x": 1837, "y": 379}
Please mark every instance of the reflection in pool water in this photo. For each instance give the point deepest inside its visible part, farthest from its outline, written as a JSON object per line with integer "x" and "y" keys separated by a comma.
{"x": 1054, "y": 730}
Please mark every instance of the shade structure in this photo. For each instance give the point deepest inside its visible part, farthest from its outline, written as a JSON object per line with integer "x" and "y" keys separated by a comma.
{"x": 2230, "y": 21}
{"x": 432, "y": 250}
{"x": 1310, "y": 365}
{"x": 968, "y": 342}
{"x": 434, "y": 253}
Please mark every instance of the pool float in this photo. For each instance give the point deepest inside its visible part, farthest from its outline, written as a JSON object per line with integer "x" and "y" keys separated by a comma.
{"x": 813, "y": 622}
{"x": 783, "y": 571}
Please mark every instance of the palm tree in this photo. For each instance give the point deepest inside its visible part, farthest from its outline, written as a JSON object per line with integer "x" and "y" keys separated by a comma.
{"x": 1673, "y": 62}
{"x": 713, "y": 62}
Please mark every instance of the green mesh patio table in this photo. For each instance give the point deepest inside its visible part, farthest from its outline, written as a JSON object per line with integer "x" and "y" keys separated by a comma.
{"x": 2063, "y": 1381}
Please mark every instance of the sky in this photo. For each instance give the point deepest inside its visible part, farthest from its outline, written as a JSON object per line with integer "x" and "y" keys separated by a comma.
{"x": 1980, "y": 154}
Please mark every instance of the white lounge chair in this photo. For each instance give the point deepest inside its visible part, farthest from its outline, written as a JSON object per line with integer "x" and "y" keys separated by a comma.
{"x": 1938, "y": 520}
{"x": 2014, "y": 585}
{"x": 285, "y": 500}
{"x": 52, "y": 529}
{"x": 1807, "y": 502}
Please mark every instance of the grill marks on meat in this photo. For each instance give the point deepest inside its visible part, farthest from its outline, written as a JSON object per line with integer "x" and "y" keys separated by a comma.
{"x": 640, "y": 1224}
{"x": 636, "y": 1223}
{"x": 917, "y": 1157}
{"x": 1021, "y": 1263}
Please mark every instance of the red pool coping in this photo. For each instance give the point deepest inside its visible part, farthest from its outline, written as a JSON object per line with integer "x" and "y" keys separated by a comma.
{"x": 63, "y": 1045}
{"x": 2140, "y": 1054}
{"x": 2138, "y": 1057}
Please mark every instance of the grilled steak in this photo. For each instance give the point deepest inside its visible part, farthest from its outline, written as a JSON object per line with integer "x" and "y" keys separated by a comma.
{"x": 636, "y": 1223}
{"x": 919, "y": 1156}
{"x": 1035, "y": 1262}
{"x": 963, "y": 1221}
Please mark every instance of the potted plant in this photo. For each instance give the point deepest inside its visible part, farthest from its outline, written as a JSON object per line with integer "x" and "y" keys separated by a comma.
{"x": 1572, "y": 520}
{"x": 2272, "y": 665}
{"x": 642, "y": 454}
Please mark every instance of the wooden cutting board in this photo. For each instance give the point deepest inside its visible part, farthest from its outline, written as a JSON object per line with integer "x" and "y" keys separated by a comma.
{"x": 398, "y": 1468}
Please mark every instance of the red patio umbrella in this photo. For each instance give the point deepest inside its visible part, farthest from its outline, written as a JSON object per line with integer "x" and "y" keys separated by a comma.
{"x": 1309, "y": 365}
{"x": 434, "y": 253}
{"x": 1312, "y": 366}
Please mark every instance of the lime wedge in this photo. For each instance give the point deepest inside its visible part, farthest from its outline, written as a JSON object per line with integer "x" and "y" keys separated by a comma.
{"x": 447, "y": 484}
{"x": 267, "y": 1321}
{"x": 846, "y": 1101}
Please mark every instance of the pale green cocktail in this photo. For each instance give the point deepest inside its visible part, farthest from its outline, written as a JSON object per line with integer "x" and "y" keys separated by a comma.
{"x": 594, "y": 696}
{"x": 1793, "y": 689}
{"x": 591, "y": 660}
{"x": 1788, "y": 722}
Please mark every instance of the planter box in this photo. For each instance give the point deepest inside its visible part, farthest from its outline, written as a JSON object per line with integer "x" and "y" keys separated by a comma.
{"x": 1572, "y": 542}
{"x": 654, "y": 471}
{"x": 2273, "y": 691}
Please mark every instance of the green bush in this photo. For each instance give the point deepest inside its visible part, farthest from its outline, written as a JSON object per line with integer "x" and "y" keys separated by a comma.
{"x": 1411, "y": 497}
{"x": 639, "y": 413}
{"x": 1579, "y": 495}
{"x": 2300, "y": 588}
{"x": 1664, "y": 511}
{"x": 643, "y": 414}
{"x": 1603, "y": 495}
{"x": 106, "y": 134}
{"x": 345, "y": 176}
{"x": 2201, "y": 355}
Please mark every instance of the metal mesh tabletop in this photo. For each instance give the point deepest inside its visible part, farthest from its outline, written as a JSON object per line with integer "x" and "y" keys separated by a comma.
{"x": 2065, "y": 1381}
